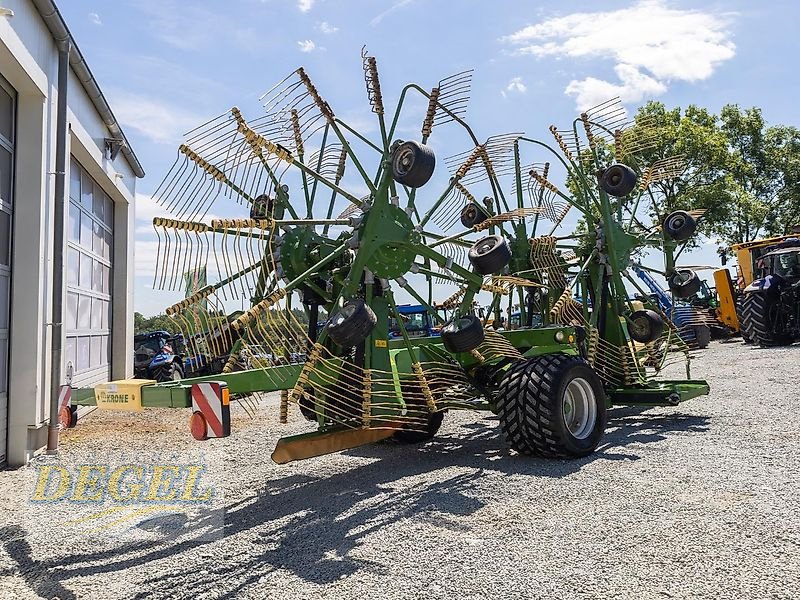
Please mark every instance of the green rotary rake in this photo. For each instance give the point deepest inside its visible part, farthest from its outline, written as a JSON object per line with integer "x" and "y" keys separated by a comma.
{"x": 536, "y": 326}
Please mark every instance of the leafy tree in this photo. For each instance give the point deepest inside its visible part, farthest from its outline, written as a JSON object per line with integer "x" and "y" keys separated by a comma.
{"x": 744, "y": 173}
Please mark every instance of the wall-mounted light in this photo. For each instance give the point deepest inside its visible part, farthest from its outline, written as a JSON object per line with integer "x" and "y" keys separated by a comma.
{"x": 113, "y": 146}
{"x": 6, "y": 12}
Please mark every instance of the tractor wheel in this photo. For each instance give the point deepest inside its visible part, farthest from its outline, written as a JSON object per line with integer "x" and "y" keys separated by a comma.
{"x": 472, "y": 214}
{"x": 765, "y": 320}
{"x": 744, "y": 326}
{"x": 645, "y": 326}
{"x": 462, "y": 334}
{"x": 618, "y": 180}
{"x": 352, "y": 323}
{"x": 412, "y": 164}
{"x": 170, "y": 372}
{"x": 684, "y": 283}
{"x": 490, "y": 254}
{"x": 702, "y": 336}
{"x": 552, "y": 405}
{"x": 680, "y": 225}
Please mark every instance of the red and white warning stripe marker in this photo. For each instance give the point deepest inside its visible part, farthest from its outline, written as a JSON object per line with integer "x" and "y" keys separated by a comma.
{"x": 212, "y": 410}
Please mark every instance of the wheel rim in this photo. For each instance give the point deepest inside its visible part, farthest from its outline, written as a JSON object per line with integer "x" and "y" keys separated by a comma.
{"x": 485, "y": 246}
{"x": 640, "y": 328}
{"x": 677, "y": 222}
{"x": 176, "y": 375}
{"x": 404, "y": 161}
{"x": 579, "y": 408}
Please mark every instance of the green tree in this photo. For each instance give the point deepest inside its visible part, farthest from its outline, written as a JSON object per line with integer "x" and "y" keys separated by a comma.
{"x": 744, "y": 173}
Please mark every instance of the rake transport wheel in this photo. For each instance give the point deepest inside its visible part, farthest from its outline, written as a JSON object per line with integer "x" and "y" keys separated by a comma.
{"x": 412, "y": 164}
{"x": 680, "y": 225}
{"x": 645, "y": 326}
{"x": 472, "y": 214}
{"x": 462, "y": 334}
{"x": 490, "y": 255}
{"x": 684, "y": 283}
{"x": 420, "y": 435}
{"x": 763, "y": 319}
{"x": 552, "y": 406}
{"x": 352, "y": 323}
{"x": 618, "y": 180}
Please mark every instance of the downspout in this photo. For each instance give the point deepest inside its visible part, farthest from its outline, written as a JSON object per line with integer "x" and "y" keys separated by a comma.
{"x": 58, "y": 244}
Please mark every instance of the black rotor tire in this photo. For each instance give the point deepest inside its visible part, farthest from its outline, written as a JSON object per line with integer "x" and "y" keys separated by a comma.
{"x": 352, "y": 323}
{"x": 433, "y": 421}
{"x": 618, "y": 180}
{"x": 413, "y": 164}
{"x": 645, "y": 326}
{"x": 472, "y": 214}
{"x": 680, "y": 225}
{"x": 758, "y": 312}
{"x": 684, "y": 283}
{"x": 463, "y": 334}
{"x": 702, "y": 336}
{"x": 262, "y": 207}
{"x": 168, "y": 372}
{"x": 530, "y": 405}
{"x": 490, "y": 255}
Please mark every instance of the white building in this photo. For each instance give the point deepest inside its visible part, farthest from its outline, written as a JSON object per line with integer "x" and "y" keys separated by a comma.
{"x": 100, "y": 172}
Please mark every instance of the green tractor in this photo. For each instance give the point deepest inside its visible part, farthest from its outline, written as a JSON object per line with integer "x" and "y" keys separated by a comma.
{"x": 300, "y": 241}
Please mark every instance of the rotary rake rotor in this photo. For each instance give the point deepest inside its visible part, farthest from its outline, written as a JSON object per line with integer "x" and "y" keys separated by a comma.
{"x": 324, "y": 225}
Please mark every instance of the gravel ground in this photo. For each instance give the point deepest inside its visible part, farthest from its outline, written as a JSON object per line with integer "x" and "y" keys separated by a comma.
{"x": 698, "y": 500}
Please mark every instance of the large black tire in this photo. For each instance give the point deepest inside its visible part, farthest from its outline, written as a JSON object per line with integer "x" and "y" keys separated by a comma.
{"x": 553, "y": 406}
{"x": 472, "y": 214}
{"x": 490, "y": 255}
{"x": 413, "y": 164}
{"x": 618, "y": 180}
{"x": 680, "y": 225}
{"x": 763, "y": 322}
{"x": 744, "y": 326}
{"x": 645, "y": 326}
{"x": 169, "y": 372}
{"x": 463, "y": 334}
{"x": 352, "y": 323}
{"x": 684, "y": 283}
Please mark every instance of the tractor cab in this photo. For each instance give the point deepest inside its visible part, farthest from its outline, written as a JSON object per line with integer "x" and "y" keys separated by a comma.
{"x": 784, "y": 262}
{"x": 158, "y": 355}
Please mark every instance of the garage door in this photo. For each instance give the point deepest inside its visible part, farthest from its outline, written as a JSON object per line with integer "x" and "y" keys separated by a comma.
{"x": 88, "y": 301}
{"x": 7, "y": 98}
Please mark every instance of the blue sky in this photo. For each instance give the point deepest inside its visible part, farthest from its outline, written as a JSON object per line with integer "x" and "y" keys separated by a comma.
{"x": 169, "y": 65}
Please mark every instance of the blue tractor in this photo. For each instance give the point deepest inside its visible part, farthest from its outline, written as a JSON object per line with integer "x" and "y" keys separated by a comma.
{"x": 159, "y": 355}
{"x": 417, "y": 322}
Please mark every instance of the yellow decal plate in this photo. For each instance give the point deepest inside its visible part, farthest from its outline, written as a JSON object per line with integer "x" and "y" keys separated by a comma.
{"x": 381, "y": 343}
{"x": 125, "y": 394}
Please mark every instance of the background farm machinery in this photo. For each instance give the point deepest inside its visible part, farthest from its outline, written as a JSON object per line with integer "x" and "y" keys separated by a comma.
{"x": 304, "y": 245}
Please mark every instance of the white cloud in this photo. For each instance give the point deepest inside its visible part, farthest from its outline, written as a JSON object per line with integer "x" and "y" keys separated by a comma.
{"x": 515, "y": 86}
{"x": 152, "y": 118}
{"x": 95, "y": 18}
{"x": 393, "y": 8}
{"x": 307, "y": 46}
{"x": 634, "y": 87}
{"x": 326, "y": 28}
{"x": 305, "y": 5}
{"x": 649, "y": 43}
